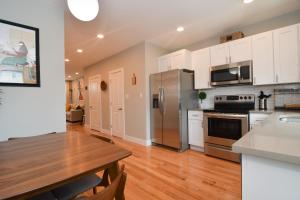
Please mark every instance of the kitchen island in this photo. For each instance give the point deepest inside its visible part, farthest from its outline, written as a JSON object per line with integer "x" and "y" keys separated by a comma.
{"x": 271, "y": 158}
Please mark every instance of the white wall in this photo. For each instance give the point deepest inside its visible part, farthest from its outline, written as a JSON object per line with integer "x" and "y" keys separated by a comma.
{"x": 132, "y": 61}
{"x": 33, "y": 111}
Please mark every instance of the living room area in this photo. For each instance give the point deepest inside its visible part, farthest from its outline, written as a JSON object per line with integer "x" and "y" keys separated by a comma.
{"x": 75, "y": 100}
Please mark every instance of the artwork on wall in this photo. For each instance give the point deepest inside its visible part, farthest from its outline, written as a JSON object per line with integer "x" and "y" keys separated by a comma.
{"x": 19, "y": 55}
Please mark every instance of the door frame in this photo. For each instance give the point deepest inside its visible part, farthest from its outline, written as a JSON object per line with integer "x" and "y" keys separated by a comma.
{"x": 109, "y": 97}
{"x": 100, "y": 102}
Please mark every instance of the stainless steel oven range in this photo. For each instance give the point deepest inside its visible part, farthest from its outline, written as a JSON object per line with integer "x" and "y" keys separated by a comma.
{"x": 226, "y": 123}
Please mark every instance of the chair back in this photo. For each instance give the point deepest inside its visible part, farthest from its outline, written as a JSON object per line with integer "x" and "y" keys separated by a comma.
{"x": 116, "y": 188}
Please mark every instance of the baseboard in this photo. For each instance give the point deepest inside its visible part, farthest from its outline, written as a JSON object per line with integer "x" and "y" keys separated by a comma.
{"x": 138, "y": 140}
{"x": 196, "y": 148}
{"x": 106, "y": 131}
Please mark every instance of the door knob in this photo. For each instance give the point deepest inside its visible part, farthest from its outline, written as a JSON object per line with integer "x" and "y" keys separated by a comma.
{"x": 120, "y": 109}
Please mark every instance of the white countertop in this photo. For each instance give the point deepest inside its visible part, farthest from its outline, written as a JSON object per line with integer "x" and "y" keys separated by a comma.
{"x": 272, "y": 139}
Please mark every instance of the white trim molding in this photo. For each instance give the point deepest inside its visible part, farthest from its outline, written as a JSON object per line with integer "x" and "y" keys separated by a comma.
{"x": 138, "y": 140}
{"x": 106, "y": 131}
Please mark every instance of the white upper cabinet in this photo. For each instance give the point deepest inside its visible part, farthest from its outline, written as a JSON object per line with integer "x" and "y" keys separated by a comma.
{"x": 219, "y": 54}
{"x": 164, "y": 64}
{"x": 177, "y": 60}
{"x": 286, "y": 54}
{"x": 231, "y": 52}
{"x": 263, "y": 59}
{"x": 201, "y": 65}
{"x": 240, "y": 50}
{"x": 181, "y": 59}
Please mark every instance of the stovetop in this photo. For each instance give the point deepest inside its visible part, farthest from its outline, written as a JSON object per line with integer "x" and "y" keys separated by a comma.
{"x": 237, "y": 104}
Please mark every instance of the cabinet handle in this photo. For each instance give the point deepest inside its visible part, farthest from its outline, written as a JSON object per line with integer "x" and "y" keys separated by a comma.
{"x": 229, "y": 59}
{"x": 276, "y": 78}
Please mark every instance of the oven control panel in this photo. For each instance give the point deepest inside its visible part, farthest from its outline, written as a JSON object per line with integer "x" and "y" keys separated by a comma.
{"x": 249, "y": 98}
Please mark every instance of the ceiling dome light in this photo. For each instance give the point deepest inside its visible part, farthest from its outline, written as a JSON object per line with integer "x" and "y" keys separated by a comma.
{"x": 84, "y": 10}
{"x": 248, "y": 1}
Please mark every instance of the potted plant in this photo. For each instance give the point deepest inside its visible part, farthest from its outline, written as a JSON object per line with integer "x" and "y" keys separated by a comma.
{"x": 202, "y": 95}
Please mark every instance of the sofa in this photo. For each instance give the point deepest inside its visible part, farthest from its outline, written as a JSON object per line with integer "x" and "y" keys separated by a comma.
{"x": 74, "y": 113}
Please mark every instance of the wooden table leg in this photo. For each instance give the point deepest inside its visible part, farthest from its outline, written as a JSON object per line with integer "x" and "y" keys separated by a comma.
{"x": 113, "y": 173}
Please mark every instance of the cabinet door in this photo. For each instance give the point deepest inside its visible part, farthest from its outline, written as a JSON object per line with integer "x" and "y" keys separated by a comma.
{"x": 286, "y": 54}
{"x": 263, "y": 59}
{"x": 201, "y": 65}
{"x": 219, "y": 54}
{"x": 196, "y": 133}
{"x": 164, "y": 64}
{"x": 240, "y": 50}
{"x": 178, "y": 60}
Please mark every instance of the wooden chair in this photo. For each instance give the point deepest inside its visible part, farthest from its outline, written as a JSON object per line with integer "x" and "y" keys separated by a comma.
{"x": 115, "y": 189}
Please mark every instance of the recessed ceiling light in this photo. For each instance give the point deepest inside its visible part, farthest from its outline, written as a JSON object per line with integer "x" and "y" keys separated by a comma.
{"x": 67, "y": 60}
{"x": 77, "y": 73}
{"x": 248, "y": 1}
{"x": 79, "y": 51}
{"x": 69, "y": 76}
{"x": 100, "y": 36}
{"x": 180, "y": 29}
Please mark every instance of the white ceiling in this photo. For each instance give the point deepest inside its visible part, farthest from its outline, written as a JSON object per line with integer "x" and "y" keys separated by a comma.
{"x": 125, "y": 23}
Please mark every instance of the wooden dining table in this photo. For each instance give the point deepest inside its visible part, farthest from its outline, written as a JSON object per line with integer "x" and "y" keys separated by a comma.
{"x": 33, "y": 165}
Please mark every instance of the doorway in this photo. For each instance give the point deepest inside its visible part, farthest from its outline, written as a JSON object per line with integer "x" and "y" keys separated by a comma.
{"x": 95, "y": 102}
{"x": 116, "y": 102}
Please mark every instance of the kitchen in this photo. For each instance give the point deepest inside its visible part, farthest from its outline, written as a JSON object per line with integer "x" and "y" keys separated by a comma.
{"x": 251, "y": 83}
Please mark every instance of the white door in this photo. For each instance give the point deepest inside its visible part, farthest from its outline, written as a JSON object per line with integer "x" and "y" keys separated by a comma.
{"x": 201, "y": 65}
{"x": 286, "y": 55}
{"x": 219, "y": 54}
{"x": 116, "y": 98}
{"x": 164, "y": 63}
{"x": 263, "y": 59}
{"x": 95, "y": 102}
{"x": 240, "y": 50}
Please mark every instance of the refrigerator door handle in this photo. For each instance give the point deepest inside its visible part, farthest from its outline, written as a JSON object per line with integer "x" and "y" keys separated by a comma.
{"x": 160, "y": 100}
{"x": 163, "y": 101}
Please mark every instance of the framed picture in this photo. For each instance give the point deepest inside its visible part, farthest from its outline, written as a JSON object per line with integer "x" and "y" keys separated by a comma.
{"x": 19, "y": 55}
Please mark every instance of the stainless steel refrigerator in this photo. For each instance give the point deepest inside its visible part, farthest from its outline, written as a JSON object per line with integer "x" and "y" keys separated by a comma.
{"x": 172, "y": 94}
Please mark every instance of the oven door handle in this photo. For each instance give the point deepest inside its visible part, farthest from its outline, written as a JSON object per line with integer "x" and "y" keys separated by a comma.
{"x": 225, "y": 115}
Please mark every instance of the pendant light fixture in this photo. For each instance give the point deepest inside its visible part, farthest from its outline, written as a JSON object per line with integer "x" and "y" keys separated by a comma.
{"x": 84, "y": 10}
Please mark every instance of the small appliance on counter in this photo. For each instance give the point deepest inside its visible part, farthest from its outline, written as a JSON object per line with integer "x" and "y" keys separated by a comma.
{"x": 287, "y": 99}
{"x": 226, "y": 124}
{"x": 263, "y": 101}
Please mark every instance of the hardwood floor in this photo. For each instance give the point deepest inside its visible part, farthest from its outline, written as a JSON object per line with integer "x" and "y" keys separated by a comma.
{"x": 158, "y": 173}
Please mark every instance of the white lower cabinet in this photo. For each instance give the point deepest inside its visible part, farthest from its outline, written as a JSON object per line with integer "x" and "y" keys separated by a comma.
{"x": 195, "y": 129}
{"x": 257, "y": 118}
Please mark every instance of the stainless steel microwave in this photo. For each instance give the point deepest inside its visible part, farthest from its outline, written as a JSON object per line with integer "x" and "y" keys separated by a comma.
{"x": 231, "y": 74}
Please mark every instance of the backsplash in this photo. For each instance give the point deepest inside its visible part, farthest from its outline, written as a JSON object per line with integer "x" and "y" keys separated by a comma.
{"x": 233, "y": 90}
